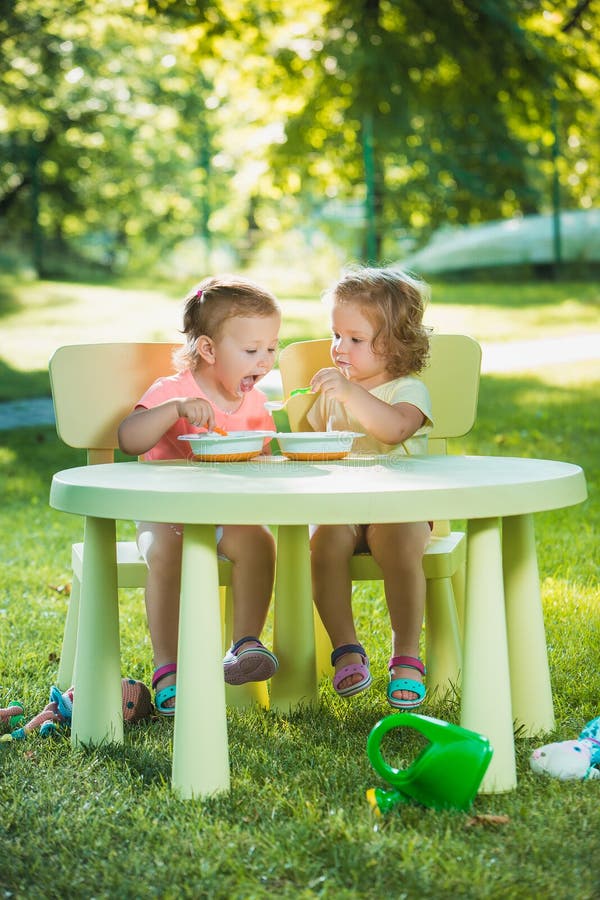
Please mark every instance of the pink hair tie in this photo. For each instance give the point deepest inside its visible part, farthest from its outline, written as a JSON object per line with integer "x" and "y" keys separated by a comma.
{"x": 198, "y": 295}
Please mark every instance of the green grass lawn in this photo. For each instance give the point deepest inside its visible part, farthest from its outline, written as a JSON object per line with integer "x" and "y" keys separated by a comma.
{"x": 38, "y": 317}
{"x": 103, "y": 823}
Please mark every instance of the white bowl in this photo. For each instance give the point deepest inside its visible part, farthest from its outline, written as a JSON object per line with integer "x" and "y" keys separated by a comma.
{"x": 316, "y": 444}
{"x": 233, "y": 447}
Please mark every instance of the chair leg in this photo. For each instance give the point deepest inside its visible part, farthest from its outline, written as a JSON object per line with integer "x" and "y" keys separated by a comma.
{"x": 66, "y": 665}
{"x": 442, "y": 637}
{"x": 239, "y": 696}
{"x": 458, "y": 589}
{"x": 323, "y": 649}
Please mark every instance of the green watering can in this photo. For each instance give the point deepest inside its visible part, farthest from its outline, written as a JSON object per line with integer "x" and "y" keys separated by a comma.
{"x": 445, "y": 775}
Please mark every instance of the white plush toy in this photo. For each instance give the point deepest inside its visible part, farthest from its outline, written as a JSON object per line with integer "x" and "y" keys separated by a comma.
{"x": 570, "y": 760}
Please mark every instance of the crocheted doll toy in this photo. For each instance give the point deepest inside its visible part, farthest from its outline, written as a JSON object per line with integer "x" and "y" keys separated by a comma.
{"x": 57, "y": 714}
{"x": 137, "y": 701}
{"x": 12, "y": 714}
{"x": 575, "y": 760}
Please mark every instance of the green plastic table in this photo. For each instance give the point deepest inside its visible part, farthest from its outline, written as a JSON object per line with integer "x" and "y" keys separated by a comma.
{"x": 505, "y": 667}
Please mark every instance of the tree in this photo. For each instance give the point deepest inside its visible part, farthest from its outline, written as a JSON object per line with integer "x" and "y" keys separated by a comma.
{"x": 127, "y": 128}
{"x": 455, "y": 99}
{"x": 112, "y": 109}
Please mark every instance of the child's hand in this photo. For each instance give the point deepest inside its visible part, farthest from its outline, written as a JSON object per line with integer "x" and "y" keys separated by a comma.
{"x": 198, "y": 412}
{"x": 332, "y": 383}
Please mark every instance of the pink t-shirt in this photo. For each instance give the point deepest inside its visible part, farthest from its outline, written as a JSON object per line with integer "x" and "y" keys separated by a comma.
{"x": 251, "y": 415}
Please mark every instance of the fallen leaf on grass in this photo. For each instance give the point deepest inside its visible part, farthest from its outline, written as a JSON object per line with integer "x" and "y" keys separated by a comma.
{"x": 485, "y": 819}
{"x": 61, "y": 588}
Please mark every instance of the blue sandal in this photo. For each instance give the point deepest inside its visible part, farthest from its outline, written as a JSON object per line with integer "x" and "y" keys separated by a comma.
{"x": 253, "y": 664}
{"x": 406, "y": 684}
{"x": 161, "y": 697}
{"x": 361, "y": 669}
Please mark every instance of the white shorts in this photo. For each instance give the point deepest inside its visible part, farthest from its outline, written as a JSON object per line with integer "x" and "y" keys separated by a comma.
{"x": 143, "y": 540}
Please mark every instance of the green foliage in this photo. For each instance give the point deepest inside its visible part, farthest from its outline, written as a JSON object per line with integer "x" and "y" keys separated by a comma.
{"x": 129, "y": 129}
{"x": 460, "y": 135}
{"x": 106, "y": 128}
{"x": 37, "y": 317}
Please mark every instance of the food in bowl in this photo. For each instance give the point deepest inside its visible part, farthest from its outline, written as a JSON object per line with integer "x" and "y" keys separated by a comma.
{"x": 233, "y": 446}
{"x": 316, "y": 445}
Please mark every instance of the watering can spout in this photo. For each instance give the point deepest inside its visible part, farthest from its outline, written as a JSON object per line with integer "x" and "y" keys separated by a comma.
{"x": 383, "y": 801}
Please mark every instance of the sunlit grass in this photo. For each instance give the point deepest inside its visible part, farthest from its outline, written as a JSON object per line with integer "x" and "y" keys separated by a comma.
{"x": 38, "y": 317}
{"x": 103, "y": 823}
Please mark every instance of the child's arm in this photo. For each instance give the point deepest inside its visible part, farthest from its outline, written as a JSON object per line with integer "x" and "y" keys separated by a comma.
{"x": 143, "y": 428}
{"x": 390, "y": 424}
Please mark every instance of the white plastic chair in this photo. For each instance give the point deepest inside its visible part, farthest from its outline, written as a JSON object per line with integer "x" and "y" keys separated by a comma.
{"x": 94, "y": 386}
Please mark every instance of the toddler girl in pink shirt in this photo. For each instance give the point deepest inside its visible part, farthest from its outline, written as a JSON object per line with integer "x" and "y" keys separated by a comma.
{"x": 231, "y": 327}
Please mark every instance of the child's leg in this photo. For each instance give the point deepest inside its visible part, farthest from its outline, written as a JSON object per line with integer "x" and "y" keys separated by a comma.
{"x": 160, "y": 544}
{"x": 398, "y": 550}
{"x": 331, "y": 549}
{"x": 251, "y": 549}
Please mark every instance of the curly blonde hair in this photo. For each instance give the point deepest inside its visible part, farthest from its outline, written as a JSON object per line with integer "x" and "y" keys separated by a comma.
{"x": 394, "y": 302}
{"x": 210, "y": 303}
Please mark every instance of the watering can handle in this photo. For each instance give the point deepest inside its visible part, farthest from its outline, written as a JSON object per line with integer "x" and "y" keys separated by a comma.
{"x": 425, "y": 725}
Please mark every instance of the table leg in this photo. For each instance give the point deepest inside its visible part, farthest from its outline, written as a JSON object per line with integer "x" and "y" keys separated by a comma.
{"x": 486, "y": 706}
{"x": 529, "y": 672}
{"x": 293, "y": 628}
{"x": 97, "y": 704}
{"x": 200, "y": 745}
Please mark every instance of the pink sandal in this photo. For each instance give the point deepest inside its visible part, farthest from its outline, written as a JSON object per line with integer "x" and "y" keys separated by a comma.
{"x": 361, "y": 669}
{"x": 253, "y": 664}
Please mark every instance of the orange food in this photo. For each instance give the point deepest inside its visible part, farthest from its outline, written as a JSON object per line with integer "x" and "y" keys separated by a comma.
{"x": 218, "y": 430}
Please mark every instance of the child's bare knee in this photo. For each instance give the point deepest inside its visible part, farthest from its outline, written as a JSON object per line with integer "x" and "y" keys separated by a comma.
{"x": 332, "y": 544}
{"x": 160, "y": 545}
{"x": 254, "y": 543}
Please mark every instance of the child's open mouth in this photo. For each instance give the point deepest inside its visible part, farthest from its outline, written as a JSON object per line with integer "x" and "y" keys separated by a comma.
{"x": 247, "y": 383}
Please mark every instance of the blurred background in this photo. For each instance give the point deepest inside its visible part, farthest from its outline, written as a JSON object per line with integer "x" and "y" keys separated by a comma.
{"x": 172, "y": 138}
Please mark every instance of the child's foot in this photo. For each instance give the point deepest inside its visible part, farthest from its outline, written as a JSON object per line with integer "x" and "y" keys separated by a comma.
{"x": 164, "y": 700}
{"x": 406, "y": 689}
{"x": 352, "y": 674}
{"x": 249, "y": 660}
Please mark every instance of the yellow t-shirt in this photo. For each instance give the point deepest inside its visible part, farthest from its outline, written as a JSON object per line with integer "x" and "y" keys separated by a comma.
{"x": 401, "y": 390}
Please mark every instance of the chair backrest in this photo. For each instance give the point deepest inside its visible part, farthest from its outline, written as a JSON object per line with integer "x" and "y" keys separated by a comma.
{"x": 94, "y": 386}
{"x": 452, "y": 377}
